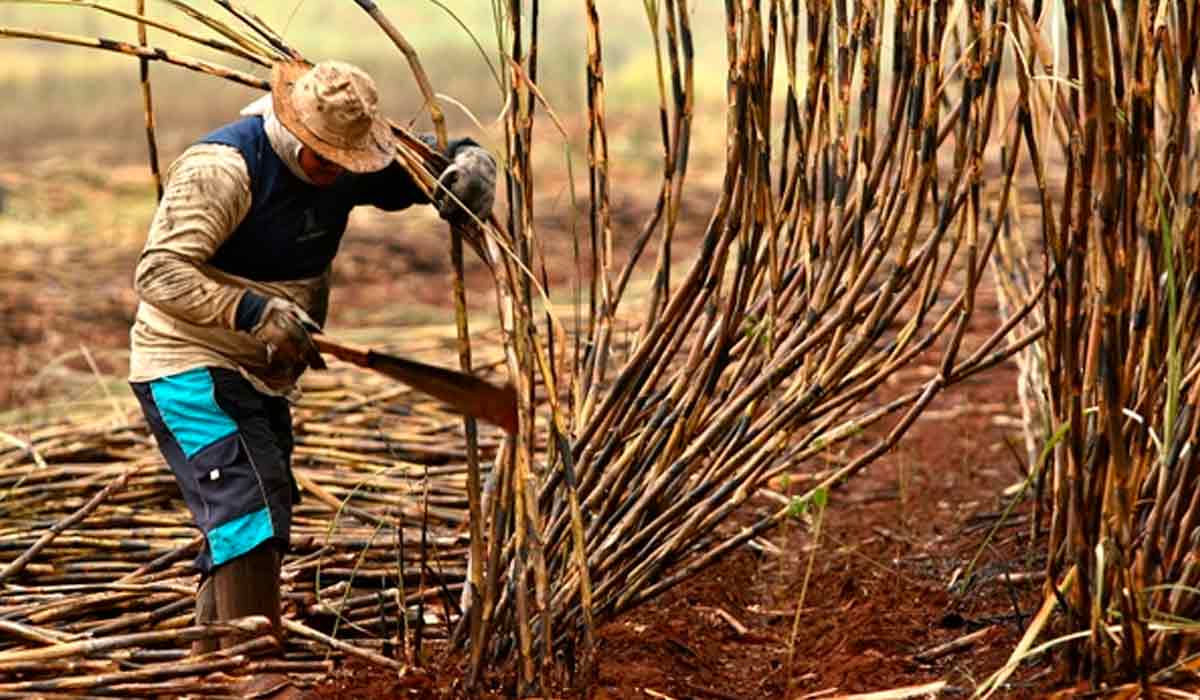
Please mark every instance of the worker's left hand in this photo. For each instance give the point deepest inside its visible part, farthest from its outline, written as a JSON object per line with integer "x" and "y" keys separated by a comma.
{"x": 469, "y": 181}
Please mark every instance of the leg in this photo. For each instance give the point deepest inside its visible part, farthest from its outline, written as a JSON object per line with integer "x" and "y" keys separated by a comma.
{"x": 206, "y": 614}
{"x": 249, "y": 585}
{"x": 229, "y": 448}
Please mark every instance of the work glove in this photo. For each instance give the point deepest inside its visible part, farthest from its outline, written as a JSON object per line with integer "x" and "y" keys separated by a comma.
{"x": 470, "y": 179}
{"x": 284, "y": 329}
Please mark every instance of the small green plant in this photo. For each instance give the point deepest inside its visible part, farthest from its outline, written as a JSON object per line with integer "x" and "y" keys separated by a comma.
{"x": 810, "y": 507}
{"x": 965, "y": 580}
{"x": 785, "y": 484}
{"x": 1174, "y": 362}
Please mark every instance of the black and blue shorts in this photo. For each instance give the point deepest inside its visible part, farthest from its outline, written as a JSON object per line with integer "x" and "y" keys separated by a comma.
{"x": 230, "y": 448}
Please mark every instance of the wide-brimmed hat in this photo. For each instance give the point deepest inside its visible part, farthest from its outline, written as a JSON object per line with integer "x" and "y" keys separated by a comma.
{"x": 333, "y": 108}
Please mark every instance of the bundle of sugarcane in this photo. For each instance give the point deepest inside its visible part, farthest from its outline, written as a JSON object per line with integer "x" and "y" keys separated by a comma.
{"x": 1114, "y": 378}
{"x": 832, "y": 260}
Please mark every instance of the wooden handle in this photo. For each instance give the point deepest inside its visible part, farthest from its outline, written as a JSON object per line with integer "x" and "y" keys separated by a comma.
{"x": 343, "y": 351}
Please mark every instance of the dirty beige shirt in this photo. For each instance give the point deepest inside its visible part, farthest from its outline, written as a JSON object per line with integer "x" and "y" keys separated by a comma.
{"x": 185, "y": 318}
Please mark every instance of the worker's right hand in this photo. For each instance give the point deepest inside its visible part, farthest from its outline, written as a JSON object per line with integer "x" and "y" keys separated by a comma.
{"x": 284, "y": 328}
{"x": 468, "y": 184}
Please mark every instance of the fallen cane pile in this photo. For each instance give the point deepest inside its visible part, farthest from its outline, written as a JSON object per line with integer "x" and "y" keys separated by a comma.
{"x": 96, "y": 584}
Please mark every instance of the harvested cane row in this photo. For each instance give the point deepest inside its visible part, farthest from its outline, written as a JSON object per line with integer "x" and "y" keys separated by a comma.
{"x": 98, "y": 591}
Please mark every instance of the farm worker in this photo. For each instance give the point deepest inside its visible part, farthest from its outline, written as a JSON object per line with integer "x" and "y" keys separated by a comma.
{"x": 234, "y": 278}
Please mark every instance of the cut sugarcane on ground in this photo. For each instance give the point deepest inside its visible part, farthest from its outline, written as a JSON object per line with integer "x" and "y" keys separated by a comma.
{"x": 878, "y": 602}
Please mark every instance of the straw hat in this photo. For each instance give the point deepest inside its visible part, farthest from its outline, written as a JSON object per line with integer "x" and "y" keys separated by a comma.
{"x": 332, "y": 108}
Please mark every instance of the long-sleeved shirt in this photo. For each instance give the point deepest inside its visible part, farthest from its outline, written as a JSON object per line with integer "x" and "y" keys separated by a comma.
{"x": 233, "y": 219}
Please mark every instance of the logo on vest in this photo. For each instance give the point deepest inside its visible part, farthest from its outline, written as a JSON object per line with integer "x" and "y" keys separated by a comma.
{"x": 313, "y": 228}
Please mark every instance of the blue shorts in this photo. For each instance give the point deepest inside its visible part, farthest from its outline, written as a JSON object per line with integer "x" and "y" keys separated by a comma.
{"x": 230, "y": 448}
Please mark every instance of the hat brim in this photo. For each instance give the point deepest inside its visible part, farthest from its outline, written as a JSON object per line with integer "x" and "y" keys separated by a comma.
{"x": 377, "y": 150}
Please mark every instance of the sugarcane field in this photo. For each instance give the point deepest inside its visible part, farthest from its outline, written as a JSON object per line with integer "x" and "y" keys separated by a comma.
{"x": 571, "y": 349}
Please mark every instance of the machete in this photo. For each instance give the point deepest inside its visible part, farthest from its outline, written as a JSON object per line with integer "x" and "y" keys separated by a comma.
{"x": 463, "y": 392}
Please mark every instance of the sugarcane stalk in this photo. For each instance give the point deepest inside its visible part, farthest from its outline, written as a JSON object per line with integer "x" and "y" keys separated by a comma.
{"x": 149, "y": 53}
{"x": 103, "y": 680}
{"x": 414, "y": 62}
{"x": 459, "y": 293}
{"x": 261, "y": 28}
{"x": 148, "y": 104}
{"x": 30, "y": 633}
{"x": 366, "y": 655}
{"x": 249, "y": 626}
{"x": 22, "y": 561}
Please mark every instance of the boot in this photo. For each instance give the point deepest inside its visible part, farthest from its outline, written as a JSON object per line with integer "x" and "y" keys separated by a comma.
{"x": 249, "y": 585}
{"x": 206, "y": 614}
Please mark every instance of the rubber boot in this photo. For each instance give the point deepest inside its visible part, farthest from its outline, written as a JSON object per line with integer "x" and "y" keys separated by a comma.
{"x": 249, "y": 585}
{"x": 206, "y": 614}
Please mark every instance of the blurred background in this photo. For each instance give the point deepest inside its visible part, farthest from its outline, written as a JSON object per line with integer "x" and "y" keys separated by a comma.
{"x": 62, "y": 98}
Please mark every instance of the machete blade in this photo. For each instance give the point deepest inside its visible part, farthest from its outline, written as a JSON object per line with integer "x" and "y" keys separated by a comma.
{"x": 463, "y": 392}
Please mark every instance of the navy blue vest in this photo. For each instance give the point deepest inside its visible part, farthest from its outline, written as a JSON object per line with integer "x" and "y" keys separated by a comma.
{"x": 293, "y": 229}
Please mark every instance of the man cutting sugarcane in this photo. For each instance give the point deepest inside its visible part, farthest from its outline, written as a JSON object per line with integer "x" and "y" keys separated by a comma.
{"x": 233, "y": 279}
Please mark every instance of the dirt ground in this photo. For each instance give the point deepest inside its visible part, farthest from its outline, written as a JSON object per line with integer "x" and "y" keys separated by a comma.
{"x": 893, "y": 541}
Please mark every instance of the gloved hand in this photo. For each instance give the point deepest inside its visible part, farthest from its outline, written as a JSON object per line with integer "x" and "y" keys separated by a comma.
{"x": 471, "y": 179}
{"x": 284, "y": 328}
